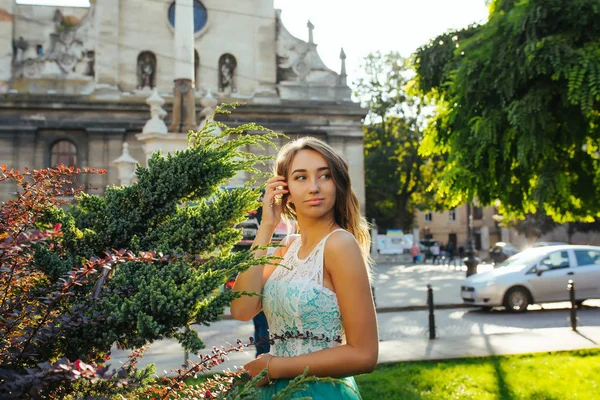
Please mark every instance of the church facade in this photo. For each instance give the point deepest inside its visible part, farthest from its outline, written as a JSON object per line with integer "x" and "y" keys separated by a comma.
{"x": 74, "y": 81}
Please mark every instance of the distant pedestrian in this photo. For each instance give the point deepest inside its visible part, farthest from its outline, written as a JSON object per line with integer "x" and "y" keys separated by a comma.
{"x": 435, "y": 252}
{"x": 450, "y": 252}
{"x": 415, "y": 252}
{"x": 443, "y": 254}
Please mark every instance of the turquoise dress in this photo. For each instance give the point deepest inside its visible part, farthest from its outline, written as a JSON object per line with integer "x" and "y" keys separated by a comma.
{"x": 295, "y": 300}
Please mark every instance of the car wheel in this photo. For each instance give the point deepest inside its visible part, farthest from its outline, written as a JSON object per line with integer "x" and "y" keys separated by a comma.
{"x": 517, "y": 299}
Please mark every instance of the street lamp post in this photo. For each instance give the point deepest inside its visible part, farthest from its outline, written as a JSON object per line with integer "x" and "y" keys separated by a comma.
{"x": 470, "y": 261}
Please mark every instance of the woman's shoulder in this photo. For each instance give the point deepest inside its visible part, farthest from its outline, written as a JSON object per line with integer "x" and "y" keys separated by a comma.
{"x": 340, "y": 238}
{"x": 342, "y": 251}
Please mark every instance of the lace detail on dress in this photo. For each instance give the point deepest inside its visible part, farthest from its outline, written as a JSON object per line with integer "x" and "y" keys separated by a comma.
{"x": 295, "y": 300}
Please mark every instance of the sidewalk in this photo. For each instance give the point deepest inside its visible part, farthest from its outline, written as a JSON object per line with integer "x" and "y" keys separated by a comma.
{"x": 169, "y": 356}
{"x": 533, "y": 341}
{"x": 403, "y": 337}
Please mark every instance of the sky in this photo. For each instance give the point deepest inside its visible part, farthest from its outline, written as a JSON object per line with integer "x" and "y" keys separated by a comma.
{"x": 361, "y": 27}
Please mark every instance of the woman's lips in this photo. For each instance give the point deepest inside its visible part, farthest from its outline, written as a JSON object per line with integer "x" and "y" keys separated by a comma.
{"x": 315, "y": 202}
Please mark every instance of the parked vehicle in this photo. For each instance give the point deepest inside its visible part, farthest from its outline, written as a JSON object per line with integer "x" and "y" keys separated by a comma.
{"x": 536, "y": 275}
{"x": 544, "y": 244}
{"x": 501, "y": 251}
{"x": 249, "y": 231}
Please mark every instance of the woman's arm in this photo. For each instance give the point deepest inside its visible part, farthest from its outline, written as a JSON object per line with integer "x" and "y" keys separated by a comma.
{"x": 344, "y": 262}
{"x": 252, "y": 280}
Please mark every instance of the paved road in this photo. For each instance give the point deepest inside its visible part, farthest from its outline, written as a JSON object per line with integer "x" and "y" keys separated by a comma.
{"x": 403, "y": 286}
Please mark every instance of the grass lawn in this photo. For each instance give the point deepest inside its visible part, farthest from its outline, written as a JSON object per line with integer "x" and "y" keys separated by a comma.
{"x": 560, "y": 375}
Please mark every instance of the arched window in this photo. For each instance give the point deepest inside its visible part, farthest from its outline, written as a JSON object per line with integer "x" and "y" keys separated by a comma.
{"x": 63, "y": 152}
{"x": 146, "y": 70}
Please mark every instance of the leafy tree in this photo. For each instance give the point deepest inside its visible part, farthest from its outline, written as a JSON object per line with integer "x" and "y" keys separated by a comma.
{"x": 396, "y": 176}
{"x": 65, "y": 295}
{"x": 534, "y": 225}
{"x": 518, "y": 108}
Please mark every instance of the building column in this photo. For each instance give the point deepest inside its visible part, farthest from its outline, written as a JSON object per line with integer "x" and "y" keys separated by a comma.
{"x": 352, "y": 150}
{"x": 107, "y": 54}
{"x": 184, "y": 99}
{"x": 265, "y": 49}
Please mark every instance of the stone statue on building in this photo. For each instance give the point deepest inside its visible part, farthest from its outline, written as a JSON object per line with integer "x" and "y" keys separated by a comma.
{"x": 146, "y": 70}
{"x": 19, "y": 46}
{"x": 227, "y": 65}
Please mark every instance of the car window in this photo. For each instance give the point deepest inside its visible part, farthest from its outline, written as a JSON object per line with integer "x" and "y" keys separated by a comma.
{"x": 522, "y": 259}
{"x": 587, "y": 257}
{"x": 556, "y": 260}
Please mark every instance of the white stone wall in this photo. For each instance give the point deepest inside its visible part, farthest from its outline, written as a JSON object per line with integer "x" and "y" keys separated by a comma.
{"x": 243, "y": 28}
{"x": 6, "y": 50}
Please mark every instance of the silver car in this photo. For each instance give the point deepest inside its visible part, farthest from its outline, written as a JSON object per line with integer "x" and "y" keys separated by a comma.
{"x": 536, "y": 275}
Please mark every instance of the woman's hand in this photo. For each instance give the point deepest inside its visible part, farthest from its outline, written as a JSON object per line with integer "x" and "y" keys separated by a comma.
{"x": 275, "y": 189}
{"x": 255, "y": 366}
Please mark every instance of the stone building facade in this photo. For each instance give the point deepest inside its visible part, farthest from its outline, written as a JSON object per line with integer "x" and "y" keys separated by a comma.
{"x": 74, "y": 81}
{"x": 451, "y": 226}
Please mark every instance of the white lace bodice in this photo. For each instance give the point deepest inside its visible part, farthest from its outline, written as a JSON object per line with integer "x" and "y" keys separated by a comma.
{"x": 295, "y": 301}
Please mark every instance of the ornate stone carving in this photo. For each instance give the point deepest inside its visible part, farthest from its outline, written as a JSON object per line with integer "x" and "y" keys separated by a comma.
{"x": 67, "y": 56}
{"x": 227, "y": 66}
{"x": 297, "y": 59}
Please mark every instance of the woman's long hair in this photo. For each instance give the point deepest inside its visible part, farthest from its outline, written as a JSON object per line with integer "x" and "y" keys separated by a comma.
{"x": 346, "y": 208}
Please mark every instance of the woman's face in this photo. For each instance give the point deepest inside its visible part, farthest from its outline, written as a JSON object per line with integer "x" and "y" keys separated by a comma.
{"x": 310, "y": 184}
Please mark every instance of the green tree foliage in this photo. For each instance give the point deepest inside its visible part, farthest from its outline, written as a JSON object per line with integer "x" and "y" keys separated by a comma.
{"x": 534, "y": 226}
{"x": 67, "y": 294}
{"x": 517, "y": 99}
{"x": 175, "y": 208}
{"x": 397, "y": 178}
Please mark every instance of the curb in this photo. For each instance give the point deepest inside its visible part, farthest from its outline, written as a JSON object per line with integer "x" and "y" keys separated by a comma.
{"x": 423, "y": 307}
{"x": 401, "y": 309}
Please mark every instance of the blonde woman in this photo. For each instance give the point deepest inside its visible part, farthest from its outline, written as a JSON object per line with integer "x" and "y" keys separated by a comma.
{"x": 322, "y": 284}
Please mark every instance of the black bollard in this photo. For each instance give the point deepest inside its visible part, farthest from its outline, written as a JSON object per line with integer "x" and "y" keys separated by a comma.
{"x": 571, "y": 289}
{"x": 431, "y": 315}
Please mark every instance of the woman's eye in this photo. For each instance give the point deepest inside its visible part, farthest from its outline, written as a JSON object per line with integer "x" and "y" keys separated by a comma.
{"x": 299, "y": 177}
{"x": 326, "y": 176}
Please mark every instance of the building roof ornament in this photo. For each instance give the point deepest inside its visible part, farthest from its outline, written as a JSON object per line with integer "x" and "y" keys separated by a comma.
{"x": 301, "y": 73}
{"x": 209, "y": 104}
{"x": 343, "y": 75}
{"x": 156, "y": 124}
{"x": 126, "y": 166}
